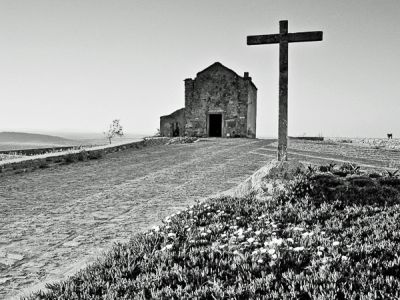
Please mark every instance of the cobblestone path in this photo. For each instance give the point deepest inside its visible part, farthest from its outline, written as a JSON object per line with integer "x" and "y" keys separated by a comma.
{"x": 323, "y": 153}
{"x": 54, "y": 221}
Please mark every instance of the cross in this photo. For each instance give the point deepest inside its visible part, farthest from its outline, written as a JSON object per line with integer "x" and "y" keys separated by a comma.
{"x": 284, "y": 38}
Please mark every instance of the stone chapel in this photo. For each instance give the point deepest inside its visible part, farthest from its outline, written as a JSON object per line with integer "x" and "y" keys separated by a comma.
{"x": 218, "y": 103}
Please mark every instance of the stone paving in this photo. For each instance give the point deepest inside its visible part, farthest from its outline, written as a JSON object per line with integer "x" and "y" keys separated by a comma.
{"x": 323, "y": 152}
{"x": 55, "y": 221}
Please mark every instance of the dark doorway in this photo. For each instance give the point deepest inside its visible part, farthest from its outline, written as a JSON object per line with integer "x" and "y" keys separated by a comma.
{"x": 215, "y": 122}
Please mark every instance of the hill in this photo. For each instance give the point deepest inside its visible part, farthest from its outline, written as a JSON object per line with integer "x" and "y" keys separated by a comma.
{"x": 22, "y": 140}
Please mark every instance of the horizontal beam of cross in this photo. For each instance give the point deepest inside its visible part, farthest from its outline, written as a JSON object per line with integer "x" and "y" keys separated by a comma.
{"x": 295, "y": 37}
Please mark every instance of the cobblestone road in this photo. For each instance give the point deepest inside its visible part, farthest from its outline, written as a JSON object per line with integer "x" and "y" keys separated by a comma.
{"x": 55, "y": 221}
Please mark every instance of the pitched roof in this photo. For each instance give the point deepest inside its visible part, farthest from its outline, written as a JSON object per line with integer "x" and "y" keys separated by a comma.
{"x": 218, "y": 64}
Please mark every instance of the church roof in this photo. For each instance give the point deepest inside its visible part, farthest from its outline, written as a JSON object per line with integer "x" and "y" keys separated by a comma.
{"x": 218, "y": 64}
{"x": 214, "y": 65}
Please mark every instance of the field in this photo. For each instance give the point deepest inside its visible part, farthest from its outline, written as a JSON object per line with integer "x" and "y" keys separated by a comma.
{"x": 57, "y": 220}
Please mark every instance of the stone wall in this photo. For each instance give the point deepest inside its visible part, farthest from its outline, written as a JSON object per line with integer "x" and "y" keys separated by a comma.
{"x": 46, "y": 160}
{"x": 219, "y": 90}
{"x": 173, "y": 124}
{"x": 251, "y": 110}
{"x": 37, "y": 151}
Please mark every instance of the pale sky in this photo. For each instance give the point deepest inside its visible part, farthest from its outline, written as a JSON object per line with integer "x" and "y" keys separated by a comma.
{"x": 76, "y": 65}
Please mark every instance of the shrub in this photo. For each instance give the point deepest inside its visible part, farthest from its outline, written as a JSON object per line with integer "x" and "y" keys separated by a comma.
{"x": 95, "y": 154}
{"x": 70, "y": 158}
{"x": 83, "y": 155}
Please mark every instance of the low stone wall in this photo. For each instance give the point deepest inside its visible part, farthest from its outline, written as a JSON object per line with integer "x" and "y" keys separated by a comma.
{"x": 37, "y": 151}
{"x": 29, "y": 163}
{"x": 307, "y": 138}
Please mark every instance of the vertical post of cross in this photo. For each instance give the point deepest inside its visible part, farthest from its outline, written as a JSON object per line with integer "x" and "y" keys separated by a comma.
{"x": 283, "y": 91}
{"x": 283, "y": 38}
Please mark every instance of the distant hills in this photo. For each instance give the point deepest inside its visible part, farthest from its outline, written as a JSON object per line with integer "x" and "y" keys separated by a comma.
{"x": 22, "y": 140}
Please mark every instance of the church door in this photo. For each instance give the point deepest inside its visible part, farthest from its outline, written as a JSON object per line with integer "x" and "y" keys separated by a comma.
{"x": 215, "y": 125}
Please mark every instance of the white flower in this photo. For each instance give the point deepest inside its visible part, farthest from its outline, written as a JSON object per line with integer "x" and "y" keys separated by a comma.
{"x": 156, "y": 228}
{"x": 260, "y": 261}
{"x": 240, "y": 237}
{"x": 298, "y": 229}
{"x": 169, "y": 246}
{"x": 297, "y": 249}
{"x": 190, "y": 212}
{"x": 255, "y": 252}
{"x": 209, "y": 231}
{"x": 260, "y": 217}
{"x": 249, "y": 229}
{"x": 319, "y": 253}
{"x": 344, "y": 257}
{"x": 274, "y": 256}
{"x": 335, "y": 243}
{"x": 192, "y": 241}
{"x": 203, "y": 234}
{"x": 322, "y": 232}
{"x": 167, "y": 227}
{"x": 271, "y": 251}
{"x": 324, "y": 260}
{"x": 290, "y": 240}
{"x": 307, "y": 234}
{"x": 208, "y": 214}
{"x": 274, "y": 225}
{"x": 171, "y": 234}
{"x": 250, "y": 240}
{"x": 258, "y": 232}
{"x": 263, "y": 250}
{"x": 237, "y": 218}
{"x": 320, "y": 248}
{"x": 277, "y": 241}
{"x": 239, "y": 232}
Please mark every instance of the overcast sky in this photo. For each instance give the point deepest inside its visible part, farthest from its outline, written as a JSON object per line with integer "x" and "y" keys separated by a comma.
{"x": 75, "y": 65}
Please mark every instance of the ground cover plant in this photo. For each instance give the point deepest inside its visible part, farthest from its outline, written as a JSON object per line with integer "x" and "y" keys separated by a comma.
{"x": 332, "y": 233}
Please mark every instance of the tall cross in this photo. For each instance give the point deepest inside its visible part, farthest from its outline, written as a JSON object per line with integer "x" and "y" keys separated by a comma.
{"x": 284, "y": 38}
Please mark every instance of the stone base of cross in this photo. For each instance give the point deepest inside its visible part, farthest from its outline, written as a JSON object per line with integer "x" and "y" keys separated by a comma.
{"x": 283, "y": 38}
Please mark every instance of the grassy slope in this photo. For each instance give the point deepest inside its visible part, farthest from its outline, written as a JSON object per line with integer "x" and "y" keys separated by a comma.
{"x": 323, "y": 237}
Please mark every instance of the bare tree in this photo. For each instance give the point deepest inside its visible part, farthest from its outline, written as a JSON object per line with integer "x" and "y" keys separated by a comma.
{"x": 114, "y": 130}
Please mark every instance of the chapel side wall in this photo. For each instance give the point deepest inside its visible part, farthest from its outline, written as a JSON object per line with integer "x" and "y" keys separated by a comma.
{"x": 168, "y": 123}
{"x": 252, "y": 112}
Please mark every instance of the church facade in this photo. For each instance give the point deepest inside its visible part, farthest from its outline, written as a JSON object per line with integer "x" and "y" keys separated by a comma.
{"x": 218, "y": 103}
